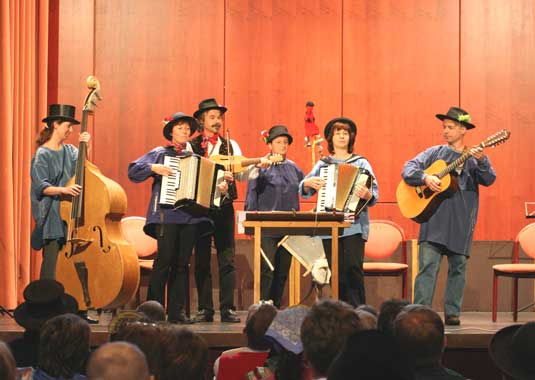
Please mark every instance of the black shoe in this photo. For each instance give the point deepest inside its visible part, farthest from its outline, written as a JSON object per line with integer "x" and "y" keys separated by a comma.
{"x": 452, "y": 320}
{"x": 92, "y": 321}
{"x": 203, "y": 315}
{"x": 181, "y": 318}
{"x": 229, "y": 316}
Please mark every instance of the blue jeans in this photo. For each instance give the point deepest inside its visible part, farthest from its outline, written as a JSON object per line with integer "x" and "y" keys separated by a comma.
{"x": 430, "y": 256}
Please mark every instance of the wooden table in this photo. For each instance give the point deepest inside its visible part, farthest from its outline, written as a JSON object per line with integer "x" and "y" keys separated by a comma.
{"x": 288, "y": 223}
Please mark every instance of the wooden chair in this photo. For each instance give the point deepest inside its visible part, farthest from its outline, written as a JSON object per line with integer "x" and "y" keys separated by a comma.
{"x": 146, "y": 247}
{"x": 384, "y": 239}
{"x": 525, "y": 240}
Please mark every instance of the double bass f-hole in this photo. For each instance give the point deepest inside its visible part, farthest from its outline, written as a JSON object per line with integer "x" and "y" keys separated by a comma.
{"x": 101, "y": 240}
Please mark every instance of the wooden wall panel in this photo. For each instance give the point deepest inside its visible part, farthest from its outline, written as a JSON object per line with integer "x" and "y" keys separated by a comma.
{"x": 498, "y": 88}
{"x": 400, "y": 68}
{"x": 153, "y": 59}
{"x": 279, "y": 55}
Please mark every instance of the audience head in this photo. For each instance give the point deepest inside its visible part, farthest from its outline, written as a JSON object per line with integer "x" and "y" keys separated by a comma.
{"x": 388, "y": 312}
{"x": 367, "y": 320}
{"x": 43, "y": 299}
{"x": 184, "y": 355}
{"x": 118, "y": 361}
{"x": 8, "y": 368}
{"x": 370, "y": 355}
{"x": 64, "y": 345}
{"x": 325, "y": 330}
{"x": 147, "y": 337}
{"x": 368, "y": 308}
{"x": 153, "y": 310}
{"x": 419, "y": 331}
{"x": 258, "y": 321}
{"x": 512, "y": 349}
{"x": 123, "y": 319}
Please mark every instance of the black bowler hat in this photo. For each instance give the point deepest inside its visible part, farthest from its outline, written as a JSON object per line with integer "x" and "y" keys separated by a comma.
{"x": 209, "y": 104}
{"x": 276, "y": 131}
{"x": 61, "y": 112}
{"x": 459, "y": 115}
{"x": 512, "y": 349}
{"x": 177, "y": 117}
{"x": 43, "y": 299}
{"x": 343, "y": 120}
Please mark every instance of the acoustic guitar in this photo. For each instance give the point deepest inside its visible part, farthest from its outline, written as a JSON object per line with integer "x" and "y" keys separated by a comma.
{"x": 237, "y": 164}
{"x": 419, "y": 203}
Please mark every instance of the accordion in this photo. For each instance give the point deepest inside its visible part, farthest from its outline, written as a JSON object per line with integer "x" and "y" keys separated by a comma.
{"x": 338, "y": 193}
{"x": 193, "y": 184}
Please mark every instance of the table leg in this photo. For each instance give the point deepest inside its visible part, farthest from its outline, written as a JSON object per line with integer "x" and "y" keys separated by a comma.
{"x": 334, "y": 263}
{"x": 256, "y": 265}
{"x": 294, "y": 283}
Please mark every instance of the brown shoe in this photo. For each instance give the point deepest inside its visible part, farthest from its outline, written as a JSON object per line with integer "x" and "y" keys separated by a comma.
{"x": 452, "y": 320}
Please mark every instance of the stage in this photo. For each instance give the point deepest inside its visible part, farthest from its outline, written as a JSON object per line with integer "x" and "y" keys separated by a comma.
{"x": 466, "y": 349}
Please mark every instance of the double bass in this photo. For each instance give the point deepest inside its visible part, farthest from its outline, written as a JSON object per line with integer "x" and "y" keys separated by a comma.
{"x": 96, "y": 265}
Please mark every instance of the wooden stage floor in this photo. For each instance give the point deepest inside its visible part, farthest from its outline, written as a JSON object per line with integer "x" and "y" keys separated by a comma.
{"x": 475, "y": 331}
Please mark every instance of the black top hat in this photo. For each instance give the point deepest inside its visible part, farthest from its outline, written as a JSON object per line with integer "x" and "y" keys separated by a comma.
{"x": 209, "y": 104}
{"x": 513, "y": 351}
{"x": 459, "y": 115}
{"x": 343, "y": 120}
{"x": 276, "y": 131}
{"x": 61, "y": 112}
{"x": 44, "y": 299}
{"x": 174, "y": 120}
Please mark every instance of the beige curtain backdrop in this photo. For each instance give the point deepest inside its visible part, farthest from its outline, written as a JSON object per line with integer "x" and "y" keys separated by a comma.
{"x": 23, "y": 85}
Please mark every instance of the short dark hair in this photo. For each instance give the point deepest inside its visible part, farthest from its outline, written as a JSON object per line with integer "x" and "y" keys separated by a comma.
{"x": 325, "y": 330}
{"x": 419, "y": 331}
{"x": 64, "y": 345}
{"x": 335, "y": 127}
{"x": 257, "y": 325}
{"x": 8, "y": 367}
{"x": 388, "y": 312}
{"x": 184, "y": 355}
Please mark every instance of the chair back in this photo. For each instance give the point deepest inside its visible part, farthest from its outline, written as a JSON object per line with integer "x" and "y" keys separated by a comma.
{"x": 526, "y": 240}
{"x": 384, "y": 238}
{"x": 237, "y": 365}
{"x": 145, "y": 245}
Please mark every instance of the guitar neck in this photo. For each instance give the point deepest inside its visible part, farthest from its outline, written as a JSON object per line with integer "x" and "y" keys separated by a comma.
{"x": 455, "y": 164}
{"x": 250, "y": 161}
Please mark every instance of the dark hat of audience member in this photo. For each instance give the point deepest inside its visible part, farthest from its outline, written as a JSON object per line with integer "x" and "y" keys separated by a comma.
{"x": 259, "y": 318}
{"x": 153, "y": 310}
{"x": 371, "y": 355}
{"x": 513, "y": 351}
{"x": 286, "y": 326}
{"x": 43, "y": 299}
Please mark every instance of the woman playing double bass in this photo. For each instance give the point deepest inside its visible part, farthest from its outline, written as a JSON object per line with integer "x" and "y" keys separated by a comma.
{"x": 52, "y": 167}
{"x": 176, "y": 230}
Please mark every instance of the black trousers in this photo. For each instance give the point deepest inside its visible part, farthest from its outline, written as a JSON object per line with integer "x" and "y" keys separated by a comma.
{"x": 350, "y": 271}
{"x": 225, "y": 246}
{"x": 272, "y": 282}
{"x": 175, "y": 245}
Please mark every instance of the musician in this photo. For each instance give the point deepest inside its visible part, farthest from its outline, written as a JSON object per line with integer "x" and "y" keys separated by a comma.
{"x": 340, "y": 134}
{"x": 175, "y": 230}
{"x": 449, "y": 231}
{"x": 52, "y": 167}
{"x": 209, "y": 143}
{"x": 275, "y": 189}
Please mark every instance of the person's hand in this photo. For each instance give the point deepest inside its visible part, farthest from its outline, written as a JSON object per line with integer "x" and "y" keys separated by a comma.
{"x": 223, "y": 187}
{"x": 84, "y": 137}
{"x": 477, "y": 152}
{"x": 73, "y": 190}
{"x": 229, "y": 177}
{"x": 432, "y": 182}
{"x": 162, "y": 169}
{"x": 363, "y": 192}
{"x": 264, "y": 163}
{"x": 315, "y": 183}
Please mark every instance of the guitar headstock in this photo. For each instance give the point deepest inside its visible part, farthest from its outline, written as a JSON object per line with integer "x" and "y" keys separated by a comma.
{"x": 276, "y": 158}
{"x": 496, "y": 139}
{"x": 94, "y": 94}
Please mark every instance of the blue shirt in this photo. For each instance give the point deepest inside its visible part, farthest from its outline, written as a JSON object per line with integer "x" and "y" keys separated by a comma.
{"x": 274, "y": 188}
{"x": 453, "y": 223}
{"x": 51, "y": 168}
{"x": 361, "y": 225}
{"x": 139, "y": 171}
